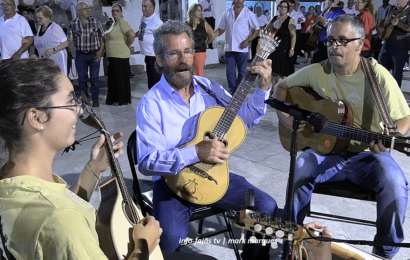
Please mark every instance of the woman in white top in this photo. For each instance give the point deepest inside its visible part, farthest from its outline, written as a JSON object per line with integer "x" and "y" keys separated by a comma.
{"x": 50, "y": 40}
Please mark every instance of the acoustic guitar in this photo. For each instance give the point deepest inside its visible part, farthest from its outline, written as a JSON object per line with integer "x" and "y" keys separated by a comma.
{"x": 317, "y": 28}
{"x": 337, "y": 134}
{"x": 204, "y": 183}
{"x": 276, "y": 228}
{"x": 388, "y": 27}
{"x": 117, "y": 214}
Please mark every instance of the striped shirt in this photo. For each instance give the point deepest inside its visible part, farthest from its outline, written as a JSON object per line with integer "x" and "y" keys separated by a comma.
{"x": 87, "y": 35}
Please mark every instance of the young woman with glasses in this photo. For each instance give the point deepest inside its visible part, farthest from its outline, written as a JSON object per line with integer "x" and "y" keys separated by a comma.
{"x": 40, "y": 218}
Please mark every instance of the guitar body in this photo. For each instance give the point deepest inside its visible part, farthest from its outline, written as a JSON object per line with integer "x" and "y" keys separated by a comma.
{"x": 315, "y": 34}
{"x": 191, "y": 185}
{"x": 386, "y": 32}
{"x": 113, "y": 224}
{"x": 335, "y": 110}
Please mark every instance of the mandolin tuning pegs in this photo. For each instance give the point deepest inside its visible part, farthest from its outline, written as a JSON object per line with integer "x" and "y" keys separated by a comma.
{"x": 269, "y": 231}
{"x": 243, "y": 234}
{"x": 263, "y": 241}
{"x": 274, "y": 244}
{"x": 257, "y": 227}
{"x": 279, "y": 234}
{"x": 290, "y": 237}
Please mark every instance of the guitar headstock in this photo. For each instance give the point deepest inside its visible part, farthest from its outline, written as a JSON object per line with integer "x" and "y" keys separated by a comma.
{"x": 274, "y": 227}
{"x": 90, "y": 116}
{"x": 267, "y": 43}
{"x": 402, "y": 143}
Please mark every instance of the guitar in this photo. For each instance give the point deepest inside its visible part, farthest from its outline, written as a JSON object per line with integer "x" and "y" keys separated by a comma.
{"x": 337, "y": 134}
{"x": 204, "y": 183}
{"x": 388, "y": 27}
{"x": 278, "y": 229}
{"x": 117, "y": 214}
{"x": 317, "y": 28}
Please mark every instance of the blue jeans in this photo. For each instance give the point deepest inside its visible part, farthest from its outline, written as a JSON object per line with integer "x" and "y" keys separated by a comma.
{"x": 235, "y": 60}
{"x": 83, "y": 61}
{"x": 378, "y": 172}
{"x": 393, "y": 57}
{"x": 174, "y": 214}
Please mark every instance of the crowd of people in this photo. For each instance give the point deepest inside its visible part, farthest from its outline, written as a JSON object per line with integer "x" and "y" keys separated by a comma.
{"x": 39, "y": 111}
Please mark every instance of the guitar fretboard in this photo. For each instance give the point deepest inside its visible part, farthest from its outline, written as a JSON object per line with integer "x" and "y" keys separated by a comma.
{"x": 351, "y": 133}
{"x": 235, "y": 104}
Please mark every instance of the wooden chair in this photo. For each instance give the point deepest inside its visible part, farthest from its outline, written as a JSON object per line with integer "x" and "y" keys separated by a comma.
{"x": 344, "y": 189}
{"x": 144, "y": 200}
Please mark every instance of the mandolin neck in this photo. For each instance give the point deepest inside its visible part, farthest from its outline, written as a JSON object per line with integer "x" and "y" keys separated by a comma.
{"x": 116, "y": 169}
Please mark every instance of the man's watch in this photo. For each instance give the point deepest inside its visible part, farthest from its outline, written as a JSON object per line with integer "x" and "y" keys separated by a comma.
{"x": 18, "y": 53}
{"x": 292, "y": 49}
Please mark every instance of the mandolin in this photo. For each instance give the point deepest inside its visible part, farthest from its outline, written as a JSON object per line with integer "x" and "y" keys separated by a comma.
{"x": 117, "y": 213}
{"x": 204, "y": 183}
{"x": 317, "y": 28}
{"x": 276, "y": 228}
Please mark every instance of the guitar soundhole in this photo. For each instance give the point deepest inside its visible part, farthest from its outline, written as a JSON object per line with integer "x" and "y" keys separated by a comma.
{"x": 209, "y": 135}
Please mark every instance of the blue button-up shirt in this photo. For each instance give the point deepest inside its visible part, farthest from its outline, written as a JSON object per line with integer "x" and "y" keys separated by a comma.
{"x": 165, "y": 122}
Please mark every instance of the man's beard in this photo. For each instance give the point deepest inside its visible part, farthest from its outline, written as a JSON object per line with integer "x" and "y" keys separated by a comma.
{"x": 178, "y": 83}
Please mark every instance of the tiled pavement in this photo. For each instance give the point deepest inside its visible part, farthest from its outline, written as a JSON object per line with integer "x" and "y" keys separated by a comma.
{"x": 261, "y": 159}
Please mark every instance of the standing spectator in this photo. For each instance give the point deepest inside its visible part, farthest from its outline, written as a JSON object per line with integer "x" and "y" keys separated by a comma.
{"x": 32, "y": 24}
{"x": 27, "y": 5}
{"x": 381, "y": 12}
{"x": 298, "y": 19}
{"x": 241, "y": 28}
{"x": 393, "y": 54}
{"x": 341, "y": 5}
{"x": 119, "y": 40}
{"x": 149, "y": 22}
{"x": 321, "y": 48}
{"x": 50, "y": 40}
{"x": 282, "y": 58}
{"x": 302, "y": 9}
{"x": 267, "y": 14}
{"x": 87, "y": 34}
{"x": 262, "y": 21}
{"x": 208, "y": 13}
{"x": 366, "y": 15}
{"x": 15, "y": 29}
{"x": 310, "y": 20}
{"x": 350, "y": 9}
{"x": 318, "y": 10}
{"x": 203, "y": 34}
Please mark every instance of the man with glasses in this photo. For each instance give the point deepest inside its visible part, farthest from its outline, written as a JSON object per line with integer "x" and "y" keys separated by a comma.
{"x": 87, "y": 34}
{"x": 341, "y": 77}
{"x": 241, "y": 28}
{"x": 320, "y": 48}
{"x": 167, "y": 118}
{"x": 15, "y": 33}
{"x": 393, "y": 54}
{"x": 149, "y": 22}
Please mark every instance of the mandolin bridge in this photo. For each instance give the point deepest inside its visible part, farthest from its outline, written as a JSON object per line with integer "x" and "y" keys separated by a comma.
{"x": 202, "y": 172}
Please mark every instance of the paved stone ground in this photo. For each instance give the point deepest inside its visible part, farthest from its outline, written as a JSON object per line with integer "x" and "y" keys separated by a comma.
{"x": 261, "y": 159}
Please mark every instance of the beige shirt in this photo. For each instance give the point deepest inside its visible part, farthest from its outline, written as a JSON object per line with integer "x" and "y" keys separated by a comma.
{"x": 116, "y": 46}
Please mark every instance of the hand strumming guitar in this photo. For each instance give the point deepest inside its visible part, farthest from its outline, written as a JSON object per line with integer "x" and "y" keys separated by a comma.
{"x": 146, "y": 236}
{"x": 212, "y": 151}
{"x": 318, "y": 250}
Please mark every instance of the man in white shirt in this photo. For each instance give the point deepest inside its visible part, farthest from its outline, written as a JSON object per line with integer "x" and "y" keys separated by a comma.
{"x": 262, "y": 21}
{"x": 298, "y": 18}
{"x": 149, "y": 22}
{"x": 241, "y": 28}
{"x": 13, "y": 29}
{"x": 381, "y": 12}
{"x": 350, "y": 9}
{"x": 208, "y": 13}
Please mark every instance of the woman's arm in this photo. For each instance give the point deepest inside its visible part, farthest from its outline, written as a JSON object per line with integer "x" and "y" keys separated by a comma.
{"x": 210, "y": 33}
{"x": 292, "y": 29}
{"x": 130, "y": 37}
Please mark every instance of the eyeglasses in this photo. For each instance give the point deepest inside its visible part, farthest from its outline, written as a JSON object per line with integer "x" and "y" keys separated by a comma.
{"x": 85, "y": 9}
{"x": 8, "y": 4}
{"x": 115, "y": 10}
{"x": 339, "y": 42}
{"x": 283, "y": 6}
{"x": 76, "y": 103}
{"x": 188, "y": 53}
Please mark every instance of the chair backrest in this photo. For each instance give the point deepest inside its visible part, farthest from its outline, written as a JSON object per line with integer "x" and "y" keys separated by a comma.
{"x": 133, "y": 161}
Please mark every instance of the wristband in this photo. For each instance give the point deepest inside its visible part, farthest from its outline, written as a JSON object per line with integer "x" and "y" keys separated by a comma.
{"x": 292, "y": 49}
